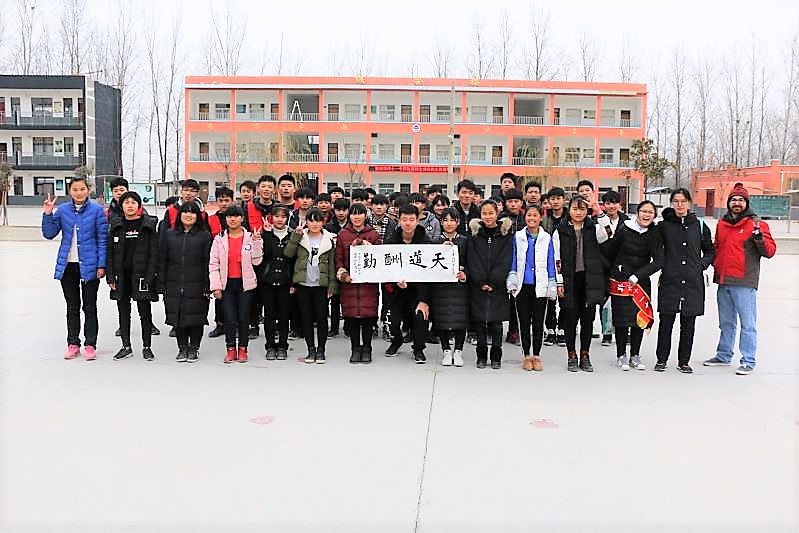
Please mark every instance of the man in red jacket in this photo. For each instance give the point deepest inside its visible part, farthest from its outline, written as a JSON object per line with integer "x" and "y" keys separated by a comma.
{"x": 741, "y": 240}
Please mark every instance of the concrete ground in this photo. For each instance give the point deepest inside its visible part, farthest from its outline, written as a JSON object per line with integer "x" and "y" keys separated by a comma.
{"x": 283, "y": 446}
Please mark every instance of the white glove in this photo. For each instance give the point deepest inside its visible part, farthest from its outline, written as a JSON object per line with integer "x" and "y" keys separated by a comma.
{"x": 512, "y": 281}
{"x": 633, "y": 279}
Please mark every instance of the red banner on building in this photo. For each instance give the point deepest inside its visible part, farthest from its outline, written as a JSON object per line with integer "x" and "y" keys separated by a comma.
{"x": 441, "y": 169}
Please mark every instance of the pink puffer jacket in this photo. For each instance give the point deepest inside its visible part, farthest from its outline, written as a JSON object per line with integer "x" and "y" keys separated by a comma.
{"x": 252, "y": 252}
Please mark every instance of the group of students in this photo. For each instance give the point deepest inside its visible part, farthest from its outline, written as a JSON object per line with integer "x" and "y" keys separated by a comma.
{"x": 540, "y": 262}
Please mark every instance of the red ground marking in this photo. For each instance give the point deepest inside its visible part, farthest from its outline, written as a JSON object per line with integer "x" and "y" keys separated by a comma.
{"x": 544, "y": 423}
{"x": 262, "y": 420}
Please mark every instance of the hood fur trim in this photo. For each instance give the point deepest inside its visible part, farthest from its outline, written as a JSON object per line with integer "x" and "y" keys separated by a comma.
{"x": 504, "y": 227}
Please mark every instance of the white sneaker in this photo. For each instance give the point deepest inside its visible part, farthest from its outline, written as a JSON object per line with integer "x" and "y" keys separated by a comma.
{"x": 621, "y": 362}
{"x": 446, "y": 360}
{"x": 635, "y": 362}
{"x": 457, "y": 358}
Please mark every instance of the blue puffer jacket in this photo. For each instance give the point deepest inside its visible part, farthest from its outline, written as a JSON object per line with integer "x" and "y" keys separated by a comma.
{"x": 92, "y": 236}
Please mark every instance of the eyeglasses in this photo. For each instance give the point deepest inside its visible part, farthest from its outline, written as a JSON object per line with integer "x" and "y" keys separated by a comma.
{"x": 680, "y": 202}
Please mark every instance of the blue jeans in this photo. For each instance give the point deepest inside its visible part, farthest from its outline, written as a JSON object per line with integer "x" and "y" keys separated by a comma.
{"x": 735, "y": 302}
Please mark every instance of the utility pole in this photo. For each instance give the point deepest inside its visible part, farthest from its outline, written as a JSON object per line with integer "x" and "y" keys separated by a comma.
{"x": 451, "y": 158}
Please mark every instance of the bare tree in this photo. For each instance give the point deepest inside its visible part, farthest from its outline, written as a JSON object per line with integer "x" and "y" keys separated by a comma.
{"x": 441, "y": 55}
{"x": 732, "y": 105}
{"x": 163, "y": 75}
{"x": 361, "y": 56}
{"x": 678, "y": 85}
{"x": 588, "y": 48}
{"x": 24, "y": 53}
{"x": 538, "y": 54}
{"x": 792, "y": 58}
{"x": 335, "y": 59}
{"x": 506, "y": 44}
{"x": 703, "y": 79}
{"x": 225, "y": 41}
{"x": 763, "y": 90}
{"x": 628, "y": 66}
{"x": 71, "y": 29}
{"x": 480, "y": 61}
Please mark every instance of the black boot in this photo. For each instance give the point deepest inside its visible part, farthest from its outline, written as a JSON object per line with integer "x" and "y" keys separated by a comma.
{"x": 183, "y": 354}
{"x": 572, "y": 365}
{"x": 355, "y": 355}
{"x": 218, "y": 331}
{"x": 366, "y": 354}
{"x": 585, "y": 362}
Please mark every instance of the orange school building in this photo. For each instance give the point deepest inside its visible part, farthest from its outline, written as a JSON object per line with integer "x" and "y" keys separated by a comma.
{"x": 712, "y": 187}
{"x": 393, "y": 133}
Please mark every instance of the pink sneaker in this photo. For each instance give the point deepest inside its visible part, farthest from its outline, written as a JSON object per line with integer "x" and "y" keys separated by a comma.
{"x": 73, "y": 350}
{"x": 89, "y": 353}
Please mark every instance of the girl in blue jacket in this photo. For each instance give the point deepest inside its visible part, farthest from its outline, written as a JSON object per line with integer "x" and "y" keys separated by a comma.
{"x": 80, "y": 263}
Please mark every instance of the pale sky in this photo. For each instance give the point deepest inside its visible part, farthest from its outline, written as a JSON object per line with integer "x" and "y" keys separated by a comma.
{"x": 399, "y": 31}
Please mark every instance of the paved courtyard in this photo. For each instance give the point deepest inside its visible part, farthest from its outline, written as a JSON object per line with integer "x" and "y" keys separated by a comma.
{"x": 283, "y": 446}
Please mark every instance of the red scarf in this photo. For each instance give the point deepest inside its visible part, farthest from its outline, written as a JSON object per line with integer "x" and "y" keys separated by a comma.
{"x": 645, "y": 316}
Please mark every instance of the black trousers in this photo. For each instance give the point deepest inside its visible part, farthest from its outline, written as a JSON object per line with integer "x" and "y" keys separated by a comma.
{"x": 219, "y": 312}
{"x": 335, "y": 312}
{"x": 145, "y": 317}
{"x": 275, "y": 300}
{"x": 312, "y": 303}
{"x": 483, "y": 330}
{"x": 456, "y": 335}
{"x": 531, "y": 318}
{"x": 513, "y": 322}
{"x": 189, "y": 336}
{"x": 582, "y": 313}
{"x": 403, "y": 309}
{"x": 236, "y": 303}
{"x": 635, "y": 335}
{"x": 360, "y": 331}
{"x": 76, "y": 291}
{"x": 552, "y": 320}
{"x": 687, "y": 326}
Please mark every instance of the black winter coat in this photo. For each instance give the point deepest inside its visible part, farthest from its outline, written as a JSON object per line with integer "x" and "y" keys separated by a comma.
{"x": 466, "y": 216}
{"x": 275, "y": 268}
{"x": 632, "y": 253}
{"x": 184, "y": 273}
{"x": 687, "y": 252}
{"x": 449, "y": 302}
{"x": 596, "y": 265}
{"x": 145, "y": 260}
{"x": 420, "y": 291}
{"x": 488, "y": 264}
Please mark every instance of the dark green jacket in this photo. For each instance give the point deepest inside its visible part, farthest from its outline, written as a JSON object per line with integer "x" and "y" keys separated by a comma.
{"x": 299, "y": 246}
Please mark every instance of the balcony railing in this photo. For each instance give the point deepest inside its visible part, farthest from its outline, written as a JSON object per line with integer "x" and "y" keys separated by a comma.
{"x": 498, "y": 120}
{"x": 622, "y": 123}
{"x": 219, "y": 114}
{"x": 255, "y": 157}
{"x": 613, "y": 164}
{"x": 497, "y": 160}
{"x": 303, "y": 117}
{"x": 406, "y": 159}
{"x": 41, "y": 122}
{"x": 479, "y": 118}
{"x": 531, "y": 120}
{"x": 302, "y": 158}
{"x": 406, "y": 117}
{"x": 256, "y": 116}
{"x": 424, "y": 159}
{"x": 529, "y": 161}
{"x": 387, "y": 117}
{"x": 46, "y": 161}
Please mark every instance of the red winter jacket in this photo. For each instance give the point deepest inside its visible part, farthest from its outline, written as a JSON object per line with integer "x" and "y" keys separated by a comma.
{"x": 358, "y": 300}
{"x": 738, "y": 253}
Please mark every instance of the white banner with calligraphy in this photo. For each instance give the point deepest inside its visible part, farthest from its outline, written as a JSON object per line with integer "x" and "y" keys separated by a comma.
{"x": 409, "y": 262}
